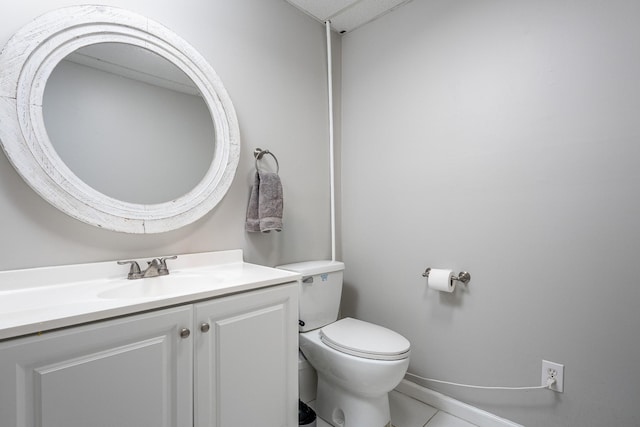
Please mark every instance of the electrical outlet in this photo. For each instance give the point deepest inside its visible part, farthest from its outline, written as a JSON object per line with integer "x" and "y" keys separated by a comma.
{"x": 555, "y": 371}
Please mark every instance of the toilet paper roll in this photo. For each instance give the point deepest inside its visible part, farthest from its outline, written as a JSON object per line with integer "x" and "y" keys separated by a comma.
{"x": 441, "y": 280}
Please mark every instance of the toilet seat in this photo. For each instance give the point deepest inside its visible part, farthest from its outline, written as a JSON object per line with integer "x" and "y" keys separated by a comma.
{"x": 362, "y": 339}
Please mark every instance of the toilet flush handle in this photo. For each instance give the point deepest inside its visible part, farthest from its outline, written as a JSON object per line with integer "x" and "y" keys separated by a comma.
{"x": 307, "y": 279}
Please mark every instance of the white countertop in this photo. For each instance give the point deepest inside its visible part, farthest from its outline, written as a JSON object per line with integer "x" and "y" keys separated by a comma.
{"x": 40, "y": 299}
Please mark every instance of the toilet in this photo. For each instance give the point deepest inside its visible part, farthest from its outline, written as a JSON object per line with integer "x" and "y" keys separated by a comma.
{"x": 358, "y": 363}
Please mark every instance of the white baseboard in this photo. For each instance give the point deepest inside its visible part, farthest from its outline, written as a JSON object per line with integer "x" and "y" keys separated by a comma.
{"x": 452, "y": 406}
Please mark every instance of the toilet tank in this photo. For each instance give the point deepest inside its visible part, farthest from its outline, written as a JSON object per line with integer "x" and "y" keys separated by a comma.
{"x": 320, "y": 292}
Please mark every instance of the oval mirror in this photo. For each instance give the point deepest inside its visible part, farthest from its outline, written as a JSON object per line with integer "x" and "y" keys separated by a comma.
{"x": 115, "y": 120}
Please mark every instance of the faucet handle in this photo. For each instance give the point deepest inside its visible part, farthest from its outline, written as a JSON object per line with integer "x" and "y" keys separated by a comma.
{"x": 134, "y": 271}
{"x": 162, "y": 270}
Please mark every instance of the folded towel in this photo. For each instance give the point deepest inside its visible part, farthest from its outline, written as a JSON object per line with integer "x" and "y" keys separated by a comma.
{"x": 270, "y": 202}
{"x": 264, "y": 212}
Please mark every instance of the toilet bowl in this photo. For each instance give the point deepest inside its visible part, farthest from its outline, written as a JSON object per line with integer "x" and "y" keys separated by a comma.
{"x": 357, "y": 363}
{"x": 353, "y": 389}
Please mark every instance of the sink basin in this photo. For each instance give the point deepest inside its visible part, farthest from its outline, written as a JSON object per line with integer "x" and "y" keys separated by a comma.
{"x": 161, "y": 286}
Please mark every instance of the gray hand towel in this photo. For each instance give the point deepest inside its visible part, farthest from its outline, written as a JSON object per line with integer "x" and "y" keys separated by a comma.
{"x": 264, "y": 212}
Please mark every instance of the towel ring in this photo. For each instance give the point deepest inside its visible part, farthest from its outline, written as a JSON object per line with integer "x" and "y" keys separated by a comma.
{"x": 258, "y": 153}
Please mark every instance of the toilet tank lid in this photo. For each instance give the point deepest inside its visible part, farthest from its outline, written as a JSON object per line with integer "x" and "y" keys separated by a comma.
{"x": 310, "y": 268}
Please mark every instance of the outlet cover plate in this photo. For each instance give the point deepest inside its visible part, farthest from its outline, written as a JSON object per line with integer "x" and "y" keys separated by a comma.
{"x": 547, "y": 368}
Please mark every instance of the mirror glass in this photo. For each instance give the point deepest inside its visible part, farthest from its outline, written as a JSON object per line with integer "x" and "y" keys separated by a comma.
{"x": 128, "y": 123}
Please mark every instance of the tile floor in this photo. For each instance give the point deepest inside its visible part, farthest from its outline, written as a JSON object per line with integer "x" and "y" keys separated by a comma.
{"x": 408, "y": 412}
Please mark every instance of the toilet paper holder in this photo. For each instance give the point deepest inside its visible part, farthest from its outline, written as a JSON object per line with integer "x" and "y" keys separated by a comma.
{"x": 463, "y": 276}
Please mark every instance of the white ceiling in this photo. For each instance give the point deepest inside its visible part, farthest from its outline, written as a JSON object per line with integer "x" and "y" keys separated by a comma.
{"x": 346, "y": 15}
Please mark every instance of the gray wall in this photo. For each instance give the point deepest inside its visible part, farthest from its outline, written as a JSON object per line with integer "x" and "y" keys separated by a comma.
{"x": 501, "y": 137}
{"x": 271, "y": 58}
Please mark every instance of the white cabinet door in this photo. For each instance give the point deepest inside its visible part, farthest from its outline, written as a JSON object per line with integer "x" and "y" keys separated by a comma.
{"x": 246, "y": 362}
{"x": 129, "y": 372}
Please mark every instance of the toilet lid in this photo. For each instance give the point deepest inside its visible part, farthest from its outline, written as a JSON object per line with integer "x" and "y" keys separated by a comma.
{"x": 363, "y": 339}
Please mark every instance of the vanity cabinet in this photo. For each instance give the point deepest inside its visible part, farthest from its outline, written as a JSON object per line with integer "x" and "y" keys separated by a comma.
{"x": 225, "y": 362}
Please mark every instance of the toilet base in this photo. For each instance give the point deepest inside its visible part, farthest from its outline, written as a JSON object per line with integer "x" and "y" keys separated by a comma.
{"x": 341, "y": 408}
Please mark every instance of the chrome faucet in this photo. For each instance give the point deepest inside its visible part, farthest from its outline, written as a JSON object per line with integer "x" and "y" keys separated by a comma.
{"x": 155, "y": 267}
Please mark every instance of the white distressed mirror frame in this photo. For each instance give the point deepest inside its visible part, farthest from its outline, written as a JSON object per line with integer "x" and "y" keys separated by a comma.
{"x": 26, "y": 63}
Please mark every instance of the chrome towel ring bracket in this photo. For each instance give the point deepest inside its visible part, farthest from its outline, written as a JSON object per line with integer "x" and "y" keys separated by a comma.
{"x": 259, "y": 153}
